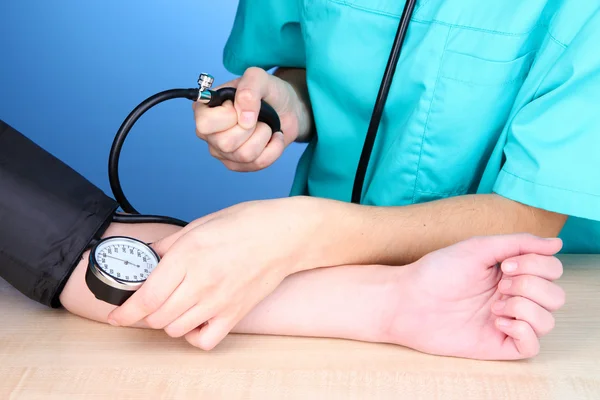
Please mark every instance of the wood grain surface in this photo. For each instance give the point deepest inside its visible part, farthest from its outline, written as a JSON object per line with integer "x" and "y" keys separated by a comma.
{"x": 51, "y": 354}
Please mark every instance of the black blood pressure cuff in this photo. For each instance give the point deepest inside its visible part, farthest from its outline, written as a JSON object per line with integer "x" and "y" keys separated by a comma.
{"x": 48, "y": 216}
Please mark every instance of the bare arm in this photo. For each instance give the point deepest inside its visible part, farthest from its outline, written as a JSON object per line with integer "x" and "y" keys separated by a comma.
{"x": 322, "y": 303}
{"x": 297, "y": 79}
{"x": 401, "y": 235}
{"x": 363, "y": 235}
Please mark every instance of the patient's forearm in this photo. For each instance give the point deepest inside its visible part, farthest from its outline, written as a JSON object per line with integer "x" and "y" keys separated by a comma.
{"x": 348, "y": 302}
{"x": 341, "y": 302}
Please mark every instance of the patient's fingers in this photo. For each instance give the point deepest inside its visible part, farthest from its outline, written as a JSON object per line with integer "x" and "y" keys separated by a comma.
{"x": 520, "y": 308}
{"x": 545, "y": 293}
{"x": 497, "y": 249}
{"x": 547, "y": 267}
{"x": 522, "y": 341}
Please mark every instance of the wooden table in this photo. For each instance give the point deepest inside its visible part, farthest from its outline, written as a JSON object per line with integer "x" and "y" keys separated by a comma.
{"x": 51, "y": 354}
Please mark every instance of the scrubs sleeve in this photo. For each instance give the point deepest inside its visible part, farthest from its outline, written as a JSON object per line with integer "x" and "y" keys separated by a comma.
{"x": 552, "y": 151}
{"x": 265, "y": 34}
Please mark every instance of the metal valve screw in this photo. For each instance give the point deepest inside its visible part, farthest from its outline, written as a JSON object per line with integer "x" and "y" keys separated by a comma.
{"x": 205, "y": 81}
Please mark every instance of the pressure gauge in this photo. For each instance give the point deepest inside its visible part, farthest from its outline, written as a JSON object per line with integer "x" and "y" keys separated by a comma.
{"x": 118, "y": 266}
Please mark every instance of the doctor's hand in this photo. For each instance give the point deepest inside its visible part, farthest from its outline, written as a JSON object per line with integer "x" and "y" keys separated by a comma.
{"x": 489, "y": 298}
{"x": 232, "y": 132}
{"x": 219, "y": 267}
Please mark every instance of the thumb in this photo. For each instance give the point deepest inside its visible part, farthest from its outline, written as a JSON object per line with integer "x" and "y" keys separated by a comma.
{"x": 251, "y": 89}
{"x": 500, "y": 247}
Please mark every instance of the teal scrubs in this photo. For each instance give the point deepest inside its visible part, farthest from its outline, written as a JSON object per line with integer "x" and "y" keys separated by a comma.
{"x": 499, "y": 96}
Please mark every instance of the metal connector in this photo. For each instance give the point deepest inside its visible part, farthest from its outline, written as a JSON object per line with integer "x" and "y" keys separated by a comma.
{"x": 204, "y": 96}
{"x": 205, "y": 82}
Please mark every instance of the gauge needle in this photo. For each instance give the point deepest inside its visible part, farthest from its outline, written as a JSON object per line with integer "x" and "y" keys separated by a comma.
{"x": 125, "y": 261}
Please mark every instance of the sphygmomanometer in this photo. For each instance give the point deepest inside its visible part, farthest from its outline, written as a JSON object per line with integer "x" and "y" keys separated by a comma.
{"x": 50, "y": 215}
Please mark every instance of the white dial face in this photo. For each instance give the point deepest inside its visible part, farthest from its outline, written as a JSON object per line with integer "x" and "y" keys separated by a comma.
{"x": 125, "y": 259}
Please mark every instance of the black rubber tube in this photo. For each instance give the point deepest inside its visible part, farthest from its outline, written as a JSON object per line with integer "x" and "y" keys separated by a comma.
{"x": 146, "y": 219}
{"x": 267, "y": 114}
{"x": 384, "y": 90}
{"x": 115, "y": 151}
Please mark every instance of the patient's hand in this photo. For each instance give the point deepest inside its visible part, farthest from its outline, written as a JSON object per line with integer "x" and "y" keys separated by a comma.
{"x": 78, "y": 299}
{"x": 462, "y": 304}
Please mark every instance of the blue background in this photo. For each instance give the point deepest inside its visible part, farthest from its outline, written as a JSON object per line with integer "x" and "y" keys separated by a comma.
{"x": 72, "y": 70}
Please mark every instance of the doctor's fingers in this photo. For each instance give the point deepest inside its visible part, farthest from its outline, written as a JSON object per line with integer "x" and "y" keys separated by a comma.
{"x": 253, "y": 147}
{"x": 211, "y": 120}
{"x": 230, "y": 140}
{"x": 179, "y": 302}
{"x": 208, "y": 336}
{"x": 195, "y": 317}
{"x": 252, "y": 87}
{"x": 271, "y": 153}
{"x": 159, "y": 286}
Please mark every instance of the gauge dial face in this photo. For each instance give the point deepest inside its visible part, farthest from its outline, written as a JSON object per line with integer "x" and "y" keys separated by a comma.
{"x": 125, "y": 259}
